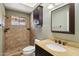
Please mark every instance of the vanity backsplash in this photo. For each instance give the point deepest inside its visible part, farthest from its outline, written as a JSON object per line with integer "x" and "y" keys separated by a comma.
{"x": 64, "y": 41}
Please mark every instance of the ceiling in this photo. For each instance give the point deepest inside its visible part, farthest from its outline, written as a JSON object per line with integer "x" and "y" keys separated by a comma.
{"x": 22, "y": 7}
{"x": 28, "y": 7}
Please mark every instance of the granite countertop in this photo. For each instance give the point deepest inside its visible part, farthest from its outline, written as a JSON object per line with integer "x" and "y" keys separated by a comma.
{"x": 70, "y": 51}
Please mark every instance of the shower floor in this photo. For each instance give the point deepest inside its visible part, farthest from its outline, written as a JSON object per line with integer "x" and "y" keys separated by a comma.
{"x": 13, "y": 53}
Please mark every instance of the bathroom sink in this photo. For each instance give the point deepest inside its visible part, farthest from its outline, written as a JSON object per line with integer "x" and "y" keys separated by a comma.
{"x": 56, "y": 47}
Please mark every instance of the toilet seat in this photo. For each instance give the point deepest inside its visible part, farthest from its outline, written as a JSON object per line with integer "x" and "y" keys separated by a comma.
{"x": 29, "y": 48}
{"x": 28, "y": 51}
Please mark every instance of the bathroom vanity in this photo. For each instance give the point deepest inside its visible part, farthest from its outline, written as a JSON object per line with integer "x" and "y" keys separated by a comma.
{"x": 41, "y": 52}
{"x": 64, "y": 50}
{"x": 62, "y": 21}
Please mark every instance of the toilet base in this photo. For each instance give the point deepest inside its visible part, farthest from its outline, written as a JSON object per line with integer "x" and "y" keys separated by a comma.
{"x": 32, "y": 54}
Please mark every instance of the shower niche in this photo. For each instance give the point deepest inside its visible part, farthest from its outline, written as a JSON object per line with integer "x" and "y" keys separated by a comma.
{"x": 38, "y": 21}
{"x": 38, "y": 16}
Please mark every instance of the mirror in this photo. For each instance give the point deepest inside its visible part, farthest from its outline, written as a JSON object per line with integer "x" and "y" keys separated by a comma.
{"x": 63, "y": 19}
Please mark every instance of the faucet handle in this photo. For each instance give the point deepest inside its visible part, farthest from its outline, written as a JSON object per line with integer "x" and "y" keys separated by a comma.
{"x": 59, "y": 42}
{"x": 64, "y": 43}
{"x": 56, "y": 41}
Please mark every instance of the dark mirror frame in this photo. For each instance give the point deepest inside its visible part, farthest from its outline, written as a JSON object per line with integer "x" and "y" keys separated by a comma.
{"x": 71, "y": 20}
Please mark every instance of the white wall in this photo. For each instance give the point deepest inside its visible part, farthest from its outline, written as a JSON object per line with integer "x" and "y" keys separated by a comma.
{"x": 46, "y": 29}
{"x": 2, "y": 16}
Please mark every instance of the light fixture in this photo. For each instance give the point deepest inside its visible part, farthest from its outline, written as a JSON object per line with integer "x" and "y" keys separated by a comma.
{"x": 56, "y": 4}
{"x": 50, "y": 6}
{"x": 29, "y": 4}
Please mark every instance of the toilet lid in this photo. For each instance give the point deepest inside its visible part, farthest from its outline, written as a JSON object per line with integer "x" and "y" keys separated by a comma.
{"x": 29, "y": 48}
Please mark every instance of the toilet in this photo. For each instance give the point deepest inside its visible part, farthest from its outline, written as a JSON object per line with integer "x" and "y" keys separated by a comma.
{"x": 29, "y": 51}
